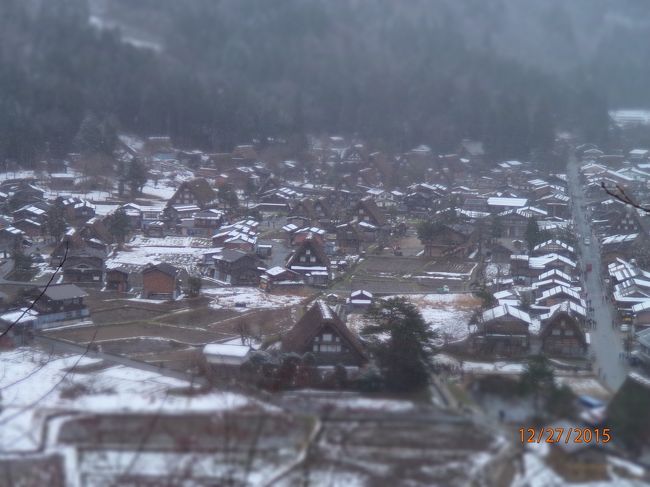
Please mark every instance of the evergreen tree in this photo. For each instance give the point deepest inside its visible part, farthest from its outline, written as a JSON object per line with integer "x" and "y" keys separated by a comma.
{"x": 228, "y": 196}
{"x": 136, "y": 176}
{"x": 22, "y": 261}
{"x": 533, "y": 234}
{"x": 119, "y": 226}
{"x": 628, "y": 414}
{"x": 537, "y": 379}
{"x": 496, "y": 229}
{"x": 95, "y": 136}
{"x": 194, "y": 284}
{"x": 405, "y": 357}
{"x": 55, "y": 222}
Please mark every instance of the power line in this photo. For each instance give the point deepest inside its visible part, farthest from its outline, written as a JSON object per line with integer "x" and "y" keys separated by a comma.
{"x": 36, "y": 370}
{"x": 54, "y": 387}
{"x": 27, "y": 310}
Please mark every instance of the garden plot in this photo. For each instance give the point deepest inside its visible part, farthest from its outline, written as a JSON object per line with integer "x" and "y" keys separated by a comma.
{"x": 30, "y": 377}
{"x": 447, "y": 314}
{"x": 185, "y": 253}
{"x": 243, "y": 298}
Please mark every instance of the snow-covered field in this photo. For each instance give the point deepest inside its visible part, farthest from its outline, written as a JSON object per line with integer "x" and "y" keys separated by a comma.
{"x": 33, "y": 382}
{"x": 589, "y": 386}
{"x": 496, "y": 270}
{"x": 227, "y": 297}
{"x": 494, "y": 367}
{"x": 183, "y": 252}
{"x": 536, "y": 472}
{"x": 448, "y": 314}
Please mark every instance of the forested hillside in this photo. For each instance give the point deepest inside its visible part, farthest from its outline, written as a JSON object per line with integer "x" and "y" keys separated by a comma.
{"x": 396, "y": 73}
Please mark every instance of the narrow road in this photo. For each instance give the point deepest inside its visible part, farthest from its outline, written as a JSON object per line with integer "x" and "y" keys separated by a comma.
{"x": 606, "y": 340}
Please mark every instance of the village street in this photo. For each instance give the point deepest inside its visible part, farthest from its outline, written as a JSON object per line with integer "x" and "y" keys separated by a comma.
{"x": 606, "y": 341}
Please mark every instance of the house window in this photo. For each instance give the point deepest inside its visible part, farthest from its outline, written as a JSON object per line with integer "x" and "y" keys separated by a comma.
{"x": 330, "y": 348}
{"x": 569, "y": 333}
{"x": 556, "y": 332}
{"x": 327, "y": 337}
{"x": 312, "y": 259}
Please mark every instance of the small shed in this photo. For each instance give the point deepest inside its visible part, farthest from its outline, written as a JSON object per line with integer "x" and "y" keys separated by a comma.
{"x": 360, "y": 298}
{"x": 224, "y": 360}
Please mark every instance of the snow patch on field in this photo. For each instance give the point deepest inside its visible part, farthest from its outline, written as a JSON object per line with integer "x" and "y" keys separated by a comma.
{"x": 184, "y": 252}
{"x": 496, "y": 270}
{"x": 253, "y": 298}
{"x": 537, "y": 473}
{"x": 448, "y": 314}
{"x": 33, "y": 381}
{"x": 588, "y": 386}
{"x": 366, "y": 404}
{"x": 494, "y": 367}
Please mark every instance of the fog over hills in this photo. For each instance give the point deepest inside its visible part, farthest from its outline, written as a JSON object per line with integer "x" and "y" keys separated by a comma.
{"x": 216, "y": 73}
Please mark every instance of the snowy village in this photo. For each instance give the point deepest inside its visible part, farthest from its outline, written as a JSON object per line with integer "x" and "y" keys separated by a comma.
{"x": 324, "y": 243}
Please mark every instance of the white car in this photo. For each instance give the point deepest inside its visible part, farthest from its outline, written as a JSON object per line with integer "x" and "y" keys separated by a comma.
{"x": 587, "y": 241}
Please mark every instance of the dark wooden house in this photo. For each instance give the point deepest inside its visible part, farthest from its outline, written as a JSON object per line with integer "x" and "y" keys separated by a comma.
{"x": 505, "y": 329}
{"x": 83, "y": 268}
{"x": 562, "y": 332}
{"x": 117, "y": 280}
{"x": 60, "y": 302}
{"x": 280, "y": 277}
{"x": 236, "y": 267}
{"x": 194, "y": 192}
{"x": 160, "y": 281}
{"x": 348, "y": 237}
{"x": 310, "y": 260}
{"x": 320, "y": 331}
{"x": 450, "y": 240}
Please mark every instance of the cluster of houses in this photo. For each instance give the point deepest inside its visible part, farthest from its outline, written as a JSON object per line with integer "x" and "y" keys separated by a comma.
{"x": 539, "y": 306}
{"x": 250, "y": 219}
{"x": 623, "y": 229}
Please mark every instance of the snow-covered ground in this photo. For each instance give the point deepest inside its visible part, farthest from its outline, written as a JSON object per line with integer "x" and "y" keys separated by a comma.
{"x": 448, "y": 314}
{"x": 163, "y": 189}
{"x": 536, "y": 472}
{"x": 366, "y": 404}
{"x": 185, "y": 252}
{"x": 166, "y": 185}
{"x": 484, "y": 367}
{"x": 494, "y": 367}
{"x": 589, "y": 386}
{"x": 496, "y": 270}
{"x": 33, "y": 382}
{"x": 227, "y": 297}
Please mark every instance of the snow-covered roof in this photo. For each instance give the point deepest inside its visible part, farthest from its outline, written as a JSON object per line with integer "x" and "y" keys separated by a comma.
{"x": 565, "y": 306}
{"x": 275, "y": 271}
{"x": 557, "y": 243}
{"x": 21, "y": 315}
{"x": 514, "y": 202}
{"x": 614, "y": 239}
{"x": 555, "y": 273}
{"x": 552, "y": 282}
{"x": 506, "y": 310}
{"x": 290, "y": 228}
{"x": 543, "y": 261}
{"x": 560, "y": 290}
{"x": 226, "y": 350}
{"x": 642, "y": 306}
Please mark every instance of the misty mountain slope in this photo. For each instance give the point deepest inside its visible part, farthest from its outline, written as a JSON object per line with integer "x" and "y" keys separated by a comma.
{"x": 397, "y": 73}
